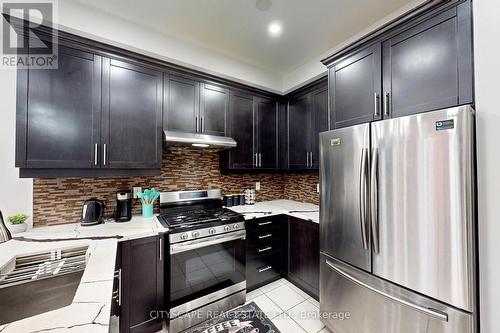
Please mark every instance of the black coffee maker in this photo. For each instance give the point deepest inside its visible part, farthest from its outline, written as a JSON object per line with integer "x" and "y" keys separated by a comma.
{"x": 123, "y": 212}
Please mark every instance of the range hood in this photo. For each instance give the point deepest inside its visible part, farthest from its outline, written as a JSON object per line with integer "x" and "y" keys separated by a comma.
{"x": 198, "y": 140}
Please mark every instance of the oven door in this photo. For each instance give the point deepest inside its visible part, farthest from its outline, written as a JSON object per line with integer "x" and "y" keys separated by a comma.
{"x": 205, "y": 270}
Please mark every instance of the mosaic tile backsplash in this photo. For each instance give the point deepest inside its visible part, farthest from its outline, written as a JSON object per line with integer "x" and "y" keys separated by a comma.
{"x": 60, "y": 200}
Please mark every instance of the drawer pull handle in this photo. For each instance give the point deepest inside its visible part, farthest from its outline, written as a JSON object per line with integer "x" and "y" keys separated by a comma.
{"x": 264, "y": 223}
{"x": 262, "y": 270}
{"x": 265, "y": 236}
{"x": 265, "y": 249}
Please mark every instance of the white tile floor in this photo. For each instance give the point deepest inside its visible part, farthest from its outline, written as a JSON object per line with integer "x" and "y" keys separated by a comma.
{"x": 288, "y": 307}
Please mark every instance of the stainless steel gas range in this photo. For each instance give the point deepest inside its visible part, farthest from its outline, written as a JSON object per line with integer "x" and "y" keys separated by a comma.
{"x": 206, "y": 257}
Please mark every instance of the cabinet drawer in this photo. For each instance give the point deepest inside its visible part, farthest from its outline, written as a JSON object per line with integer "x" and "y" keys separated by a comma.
{"x": 263, "y": 269}
{"x": 263, "y": 247}
{"x": 261, "y": 224}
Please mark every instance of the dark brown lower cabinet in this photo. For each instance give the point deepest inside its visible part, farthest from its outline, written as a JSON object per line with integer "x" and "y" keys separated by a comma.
{"x": 303, "y": 255}
{"x": 264, "y": 250}
{"x": 141, "y": 285}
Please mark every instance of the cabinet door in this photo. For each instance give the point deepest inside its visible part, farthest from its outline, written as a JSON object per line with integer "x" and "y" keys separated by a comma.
{"x": 58, "y": 113}
{"x": 303, "y": 255}
{"x": 299, "y": 131}
{"x": 242, "y": 131}
{"x": 355, "y": 86}
{"x": 182, "y": 104}
{"x": 132, "y": 134}
{"x": 429, "y": 67}
{"x": 320, "y": 121}
{"x": 214, "y": 104}
{"x": 267, "y": 129}
{"x": 142, "y": 274}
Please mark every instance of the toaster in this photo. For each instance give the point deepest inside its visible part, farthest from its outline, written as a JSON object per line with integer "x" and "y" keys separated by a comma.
{"x": 92, "y": 212}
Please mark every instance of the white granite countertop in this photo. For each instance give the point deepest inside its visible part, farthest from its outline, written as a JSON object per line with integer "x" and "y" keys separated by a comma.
{"x": 138, "y": 227}
{"x": 296, "y": 209}
{"x": 91, "y": 306}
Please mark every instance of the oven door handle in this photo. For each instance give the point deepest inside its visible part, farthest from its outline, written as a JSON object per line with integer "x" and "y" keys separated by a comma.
{"x": 196, "y": 244}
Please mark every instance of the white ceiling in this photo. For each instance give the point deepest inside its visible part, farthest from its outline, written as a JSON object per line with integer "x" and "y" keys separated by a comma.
{"x": 236, "y": 28}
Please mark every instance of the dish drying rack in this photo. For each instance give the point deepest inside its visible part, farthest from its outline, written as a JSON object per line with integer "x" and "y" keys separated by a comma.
{"x": 32, "y": 267}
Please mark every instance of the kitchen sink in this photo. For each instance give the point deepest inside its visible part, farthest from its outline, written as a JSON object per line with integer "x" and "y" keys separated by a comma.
{"x": 34, "y": 284}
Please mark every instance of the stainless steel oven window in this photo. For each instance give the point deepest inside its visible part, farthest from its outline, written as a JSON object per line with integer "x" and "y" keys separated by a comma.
{"x": 202, "y": 270}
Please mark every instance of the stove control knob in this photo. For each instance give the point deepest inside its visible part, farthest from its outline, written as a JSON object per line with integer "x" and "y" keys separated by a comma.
{"x": 195, "y": 234}
{"x": 235, "y": 226}
{"x": 184, "y": 236}
{"x": 227, "y": 228}
{"x": 211, "y": 231}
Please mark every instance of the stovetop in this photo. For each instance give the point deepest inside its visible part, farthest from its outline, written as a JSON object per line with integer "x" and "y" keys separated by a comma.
{"x": 187, "y": 219}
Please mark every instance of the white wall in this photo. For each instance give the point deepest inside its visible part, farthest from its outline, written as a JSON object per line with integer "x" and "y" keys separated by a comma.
{"x": 116, "y": 31}
{"x": 15, "y": 194}
{"x": 487, "y": 72}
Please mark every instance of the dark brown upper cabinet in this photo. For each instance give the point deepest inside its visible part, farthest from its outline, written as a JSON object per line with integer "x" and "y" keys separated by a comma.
{"x": 214, "y": 105}
{"x": 58, "y": 113}
{"x": 253, "y": 124}
{"x": 195, "y": 107}
{"x": 429, "y": 66}
{"x": 182, "y": 104}
{"x": 307, "y": 117}
{"x": 266, "y": 123}
{"x": 241, "y": 118}
{"x": 131, "y": 116}
{"x": 90, "y": 116}
{"x": 319, "y": 103}
{"x": 421, "y": 65}
{"x": 299, "y": 131}
{"x": 355, "y": 88}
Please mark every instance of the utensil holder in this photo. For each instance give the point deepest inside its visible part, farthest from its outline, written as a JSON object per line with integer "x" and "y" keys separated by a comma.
{"x": 147, "y": 210}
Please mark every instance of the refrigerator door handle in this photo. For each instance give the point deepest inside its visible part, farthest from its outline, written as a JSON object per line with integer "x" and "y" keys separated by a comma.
{"x": 362, "y": 197}
{"x": 427, "y": 311}
{"x": 374, "y": 200}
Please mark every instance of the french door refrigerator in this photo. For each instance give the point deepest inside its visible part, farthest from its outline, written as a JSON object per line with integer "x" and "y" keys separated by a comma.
{"x": 397, "y": 225}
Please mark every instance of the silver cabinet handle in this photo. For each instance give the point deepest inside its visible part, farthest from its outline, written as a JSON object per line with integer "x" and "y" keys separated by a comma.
{"x": 196, "y": 124}
{"x": 104, "y": 154}
{"x": 118, "y": 294}
{"x": 265, "y": 269}
{"x": 256, "y": 162}
{"x": 161, "y": 248}
{"x": 311, "y": 158}
{"x": 362, "y": 197}
{"x": 265, "y": 236}
{"x": 430, "y": 312}
{"x": 260, "y": 160}
{"x": 375, "y": 102}
{"x": 268, "y": 248}
{"x": 386, "y": 103}
{"x": 202, "y": 125}
{"x": 374, "y": 200}
{"x": 264, "y": 223}
{"x": 307, "y": 160}
{"x": 96, "y": 154}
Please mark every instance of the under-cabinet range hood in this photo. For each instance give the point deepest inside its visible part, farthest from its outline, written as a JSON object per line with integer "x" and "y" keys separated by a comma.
{"x": 198, "y": 140}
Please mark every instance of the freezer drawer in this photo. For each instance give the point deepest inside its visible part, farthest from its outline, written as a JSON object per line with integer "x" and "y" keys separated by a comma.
{"x": 353, "y": 301}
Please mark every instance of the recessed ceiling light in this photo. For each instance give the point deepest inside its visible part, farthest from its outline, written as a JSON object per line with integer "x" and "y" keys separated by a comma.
{"x": 274, "y": 29}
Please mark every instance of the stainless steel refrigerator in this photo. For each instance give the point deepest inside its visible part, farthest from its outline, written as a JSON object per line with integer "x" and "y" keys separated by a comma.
{"x": 397, "y": 225}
